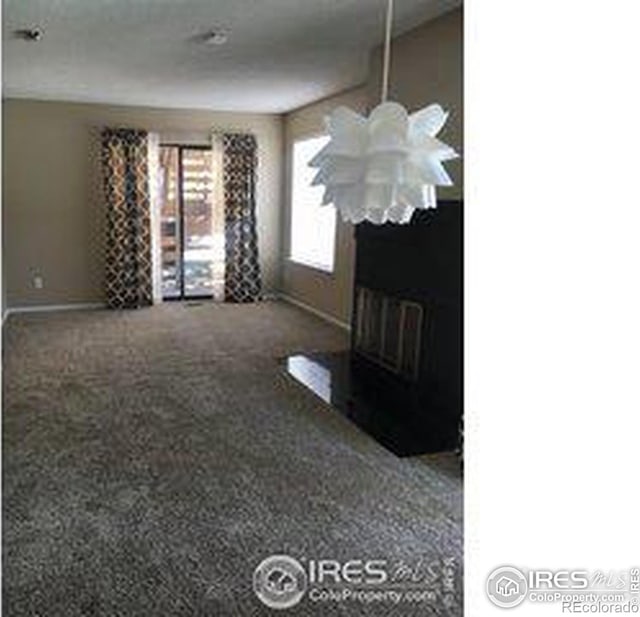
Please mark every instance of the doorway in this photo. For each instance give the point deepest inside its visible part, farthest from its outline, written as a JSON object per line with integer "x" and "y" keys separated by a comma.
{"x": 192, "y": 224}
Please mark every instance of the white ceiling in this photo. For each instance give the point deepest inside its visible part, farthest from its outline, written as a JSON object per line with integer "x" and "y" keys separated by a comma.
{"x": 280, "y": 54}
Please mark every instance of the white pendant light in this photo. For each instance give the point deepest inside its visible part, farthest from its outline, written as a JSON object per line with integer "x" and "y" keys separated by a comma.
{"x": 383, "y": 167}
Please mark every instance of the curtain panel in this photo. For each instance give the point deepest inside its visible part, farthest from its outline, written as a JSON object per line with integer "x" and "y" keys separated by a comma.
{"x": 128, "y": 243}
{"x": 242, "y": 282}
{"x": 155, "y": 214}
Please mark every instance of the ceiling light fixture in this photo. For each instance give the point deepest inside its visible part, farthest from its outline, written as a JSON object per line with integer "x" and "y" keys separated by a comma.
{"x": 216, "y": 37}
{"x": 381, "y": 168}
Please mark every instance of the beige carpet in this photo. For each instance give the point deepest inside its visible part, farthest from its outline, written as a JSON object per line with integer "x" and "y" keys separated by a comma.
{"x": 152, "y": 458}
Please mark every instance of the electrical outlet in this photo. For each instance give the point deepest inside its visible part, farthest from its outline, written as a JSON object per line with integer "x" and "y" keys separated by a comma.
{"x": 38, "y": 282}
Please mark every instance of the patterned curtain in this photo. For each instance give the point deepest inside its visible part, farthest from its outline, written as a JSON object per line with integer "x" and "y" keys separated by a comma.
{"x": 242, "y": 282}
{"x": 128, "y": 242}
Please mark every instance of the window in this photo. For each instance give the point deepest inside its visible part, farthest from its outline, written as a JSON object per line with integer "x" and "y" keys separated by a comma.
{"x": 313, "y": 227}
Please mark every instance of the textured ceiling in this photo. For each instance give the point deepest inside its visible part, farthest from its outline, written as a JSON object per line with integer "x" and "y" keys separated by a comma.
{"x": 280, "y": 54}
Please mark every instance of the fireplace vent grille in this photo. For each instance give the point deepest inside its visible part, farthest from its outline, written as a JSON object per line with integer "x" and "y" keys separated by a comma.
{"x": 388, "y": 331}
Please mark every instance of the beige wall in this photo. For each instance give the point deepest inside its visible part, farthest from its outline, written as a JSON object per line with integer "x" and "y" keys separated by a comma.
{"x": 51, "y": 189}
{"x": 326, "y": 292}
{"x": 426, "y": 68}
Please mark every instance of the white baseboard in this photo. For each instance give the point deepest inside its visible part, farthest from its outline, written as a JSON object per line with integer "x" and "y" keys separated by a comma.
{"x": 315, "y": 311}
{"x": 52, "y": 308}
{"x": 270, "y": 295}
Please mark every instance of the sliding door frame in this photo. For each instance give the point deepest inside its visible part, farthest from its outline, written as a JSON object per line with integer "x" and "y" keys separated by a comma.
{"x": 182, "y": 297}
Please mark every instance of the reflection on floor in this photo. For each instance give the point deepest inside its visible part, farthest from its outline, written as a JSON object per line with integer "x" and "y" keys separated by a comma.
{"x": 334, "y": 378}
{"x": 313, "y": 375}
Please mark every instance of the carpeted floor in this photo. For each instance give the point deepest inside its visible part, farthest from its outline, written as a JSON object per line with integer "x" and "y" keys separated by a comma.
{"x": 151, "y": 459}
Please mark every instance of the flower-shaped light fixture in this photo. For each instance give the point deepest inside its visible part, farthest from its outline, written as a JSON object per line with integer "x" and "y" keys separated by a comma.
{"x": 383, "y": 167}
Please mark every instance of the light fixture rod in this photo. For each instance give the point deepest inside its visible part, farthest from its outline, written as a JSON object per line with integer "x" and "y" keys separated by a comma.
{"x": 387, "y": 51}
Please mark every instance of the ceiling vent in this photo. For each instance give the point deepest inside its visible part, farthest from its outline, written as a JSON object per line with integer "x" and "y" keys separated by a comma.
{"x": 30, "y": 34}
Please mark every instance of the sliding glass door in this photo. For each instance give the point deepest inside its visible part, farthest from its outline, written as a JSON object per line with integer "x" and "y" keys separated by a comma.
{"x": 192, "y": 224}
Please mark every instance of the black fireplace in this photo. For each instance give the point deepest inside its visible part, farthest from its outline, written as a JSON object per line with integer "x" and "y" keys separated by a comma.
{"x": 402, "y": 379}
{"x": 407, "y": 319}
